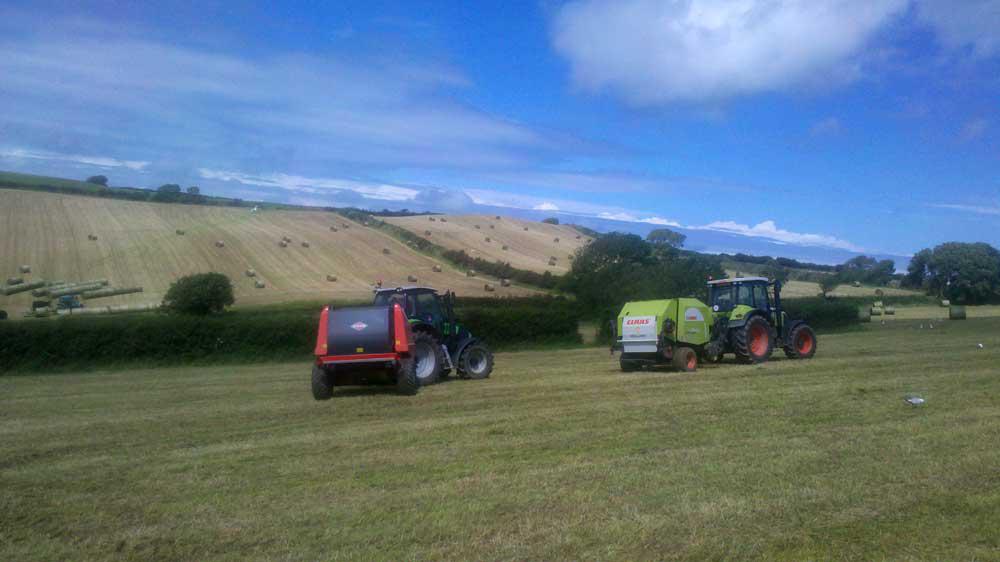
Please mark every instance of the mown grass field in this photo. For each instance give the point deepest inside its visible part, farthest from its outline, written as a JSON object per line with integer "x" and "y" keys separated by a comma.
{"x": 558, "y": 456}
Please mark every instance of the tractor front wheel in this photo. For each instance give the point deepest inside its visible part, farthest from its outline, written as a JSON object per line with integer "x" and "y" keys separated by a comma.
{"x": 801, "y": 343}
{"x": 476, "y": 361}
{"x": 428, "y": 358}
{"x": 685, "y": 360}
{"x": 322, "y": 386}
{"x": 752, "y": 342}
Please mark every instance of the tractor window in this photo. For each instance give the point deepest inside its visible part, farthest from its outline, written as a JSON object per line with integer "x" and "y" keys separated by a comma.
{"x": 427, "y": 307}
{"x": 743, "y": 295}
{"x": 760, "y": 297}
{"x": 722, "y": 297}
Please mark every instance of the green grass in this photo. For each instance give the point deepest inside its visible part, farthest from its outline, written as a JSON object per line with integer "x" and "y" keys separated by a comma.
{"x": 558, "y": 456}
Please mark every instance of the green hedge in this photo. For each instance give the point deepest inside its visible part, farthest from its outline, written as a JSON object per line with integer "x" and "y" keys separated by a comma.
{"x": 245, "y": 336}
{"x": 823, "y": 314}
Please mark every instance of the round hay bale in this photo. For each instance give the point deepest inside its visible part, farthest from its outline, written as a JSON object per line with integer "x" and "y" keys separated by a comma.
{"x": 432, "y": 219}
{"x": 333, "y": 229}
{"x": 15, "y": 280}
{"x": 283, "y": 244}
{"x": 259, "y": 284}
{"x": 470, "y": 273}
{"x": 305, "y": 244}
{"x": 493, "y": 227}
{"x": 578, "y": 236}
{"x": 946, "y": 303}
{"x": 505, "y": 247}
{"x": 488, "y": 239}
{"x": 436, "y": 268}
{"x": 331, "y": 278}
{"x": 25, "y": 269}
{"x": 179, "y": 232}
{"x": 489, "y": 288}
{"x": 889, "y": 310}
{"x": 876, "y": 311}
{"x": 956, "y": 312}
{"x": 411, "y": 278}
{"x": 385, "y": 251}
{"x": 526, "y": 229}
{"x": 427, "y": 233}
{"x": 552, "y": 263}
{"x": 444, "y": 219}
{"x": 220, "y": 244}
{"x": 505, "y": 282}
{"x": 569, "y": 256}
{"x": 556, "y": 240}
{"x": 856, "y": 284}
{"x": 345, "y": 225}
{"x": 91, "y": 237}
{"x": 250, "y": 273}
{"x": 864, "y": 314}
{"x": 478, "y": 227}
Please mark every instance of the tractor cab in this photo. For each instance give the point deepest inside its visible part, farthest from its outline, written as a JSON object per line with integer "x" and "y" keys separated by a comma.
{"x": 737, "y": 297}
{"x": 422, "y": 305}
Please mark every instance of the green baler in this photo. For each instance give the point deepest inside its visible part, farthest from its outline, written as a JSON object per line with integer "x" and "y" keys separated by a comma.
{"x": 745, "y": 319}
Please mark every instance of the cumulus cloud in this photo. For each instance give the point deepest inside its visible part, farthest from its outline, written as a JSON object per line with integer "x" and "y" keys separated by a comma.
{"x": 993, "y": 210}
{"x": 964, "y": 24}
{"x": 379, "y": 191}
{"x": 546, "y": 206}
{"x": 768, "y": 229}
{"x": 98, "y": 161}
{"x": 657, "y": 51}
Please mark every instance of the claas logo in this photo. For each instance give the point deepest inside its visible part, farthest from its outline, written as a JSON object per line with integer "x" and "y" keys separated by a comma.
{"x": 637, "y": 322}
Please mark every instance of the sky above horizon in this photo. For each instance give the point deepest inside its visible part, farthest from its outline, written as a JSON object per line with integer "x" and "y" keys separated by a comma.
{"x": 861, "y": 125}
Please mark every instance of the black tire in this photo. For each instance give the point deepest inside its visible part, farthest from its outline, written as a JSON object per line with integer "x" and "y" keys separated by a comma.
{"x": 685, "y": 360}
{"x": 407, "y": 383}
{"x": 476, "y": 361}
{"x": 428, "y": 358}
{"x": 628, "y": 366}
{"x": 322, "y": 386}
{"x": 752, "y": 342}
{"x": 801, "y": 343}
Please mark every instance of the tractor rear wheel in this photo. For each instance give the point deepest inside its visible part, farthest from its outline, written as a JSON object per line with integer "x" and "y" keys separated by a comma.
{"x": 322, "y": 386}
{"x": 428, "y": 358}
{"x": 685, "y": 360}
{"x": 801, "y": 343}
{"x": 476, "y": 361}
{"x": 406, "y": 377}
{"x": 752, "y": 342}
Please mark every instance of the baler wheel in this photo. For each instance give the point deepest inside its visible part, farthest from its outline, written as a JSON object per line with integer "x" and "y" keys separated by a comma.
{"x": 428, "y": 358}
{"x": 406, "y": 377}
{"x": 752, "y": 342}
{"x": 322, "y": 387}
{"x": 627, "y": 366}
{"x": 801, "y": 343}
{"x": 685, "y": 360}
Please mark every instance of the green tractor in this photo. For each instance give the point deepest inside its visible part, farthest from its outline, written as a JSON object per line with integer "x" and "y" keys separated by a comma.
{"x": 743, "y": 317}
{"x": 440, "y": 344}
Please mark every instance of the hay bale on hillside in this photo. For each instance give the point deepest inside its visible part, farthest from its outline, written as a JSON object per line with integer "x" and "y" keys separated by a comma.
{"x": 386, "y": 251}
{"x": 956, "y": 312}
{"x": 488, "y": 239}
{"x": 91, "y": 237}
{"x": 333, "y": 229}
{"x": 552, "y": 262}
{"x": 489, "y": 288}
{"x": 876, "y": 311}
{"x": 432, "y": 219}
{"x": 526, "y": 229}
{"x": 505, "y": 247}
{"x": 578, "y": 236}
{"x": 179, "y": 232}
{"x": 889, "y": 310}
{"x": 856, "y": 284}
{"x": 436, "y": 268}
{"x": 478, "y": 227}
{"x": 497, "y": 217}
{"x": 24, "y": 269}
{"x": 286, "y": 239}
{"x": 345, "y": 225}
{"x": 259, "y": 284}
{"x": 427, "y": 233}
{"x": 556, "y": 239}
{"x": 15, "y": 280}
{"x": 493, "y": 227}
{"x": 305, "y": 244}
{"x": 505, "y": 282}
{"x": 250, "y": 273}
{"x": 470, "y": 273}
{"x": 220, "y": 244}
{"x": 569, "y": 257}
{"x": 444, "y": 219}
{"x": 411, "y": 278}
{"x": 331, "y": 278}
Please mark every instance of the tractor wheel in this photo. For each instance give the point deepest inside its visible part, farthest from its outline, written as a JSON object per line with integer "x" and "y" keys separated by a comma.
{"x": 685, "y": 360}
{"x": 322, "y": 386}
{"x": 406, "y": 377}
{"x": 428, "y": 358}
{"x": 476, "y": 361}
{"x": 627, "y": 366}
{"x": 801, "y": 343}
{"x": 753, "y": 342}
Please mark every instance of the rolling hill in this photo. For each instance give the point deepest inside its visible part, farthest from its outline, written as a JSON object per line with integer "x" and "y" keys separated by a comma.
{"x": 530, "y": 245}
{"x": 137, "y": 245}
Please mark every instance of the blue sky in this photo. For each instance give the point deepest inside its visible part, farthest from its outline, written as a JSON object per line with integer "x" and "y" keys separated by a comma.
{"x": 848, "y": 125}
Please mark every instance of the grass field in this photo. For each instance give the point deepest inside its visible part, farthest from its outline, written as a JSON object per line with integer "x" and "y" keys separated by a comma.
{"x": 558, "y": 456}
{"x": 526, "y": 249}
{"x": 137, "y": 246}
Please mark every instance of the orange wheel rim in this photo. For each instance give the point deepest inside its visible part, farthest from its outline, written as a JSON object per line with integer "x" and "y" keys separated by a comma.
{"x": 692, "y": 361}
{"x": 758, "y": 340}
{"x": 804, "y": 343}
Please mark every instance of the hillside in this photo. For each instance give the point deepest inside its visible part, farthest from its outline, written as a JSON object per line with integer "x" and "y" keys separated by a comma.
{"x": 530, "y": 244}
{"x": 137, "y": 245}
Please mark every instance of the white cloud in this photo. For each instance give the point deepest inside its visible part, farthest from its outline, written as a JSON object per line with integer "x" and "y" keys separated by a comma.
{"x": 658, "y": 51}
{"x": 768, "y": 229}
{"x": 978, "y": 209}
{"x": 379, "y": 191}
{"x": 961, "y": 24}
{"x": 827, "y": 127}
{"x": 99, "y": 161}
{"x": 545, "y": 207}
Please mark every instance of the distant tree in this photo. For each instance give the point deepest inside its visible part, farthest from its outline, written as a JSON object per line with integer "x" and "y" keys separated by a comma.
{"x": 551, "y": 220}
{"x": 776, "y": 272}
{"x": 828, "y": 283}
{"x": 194, "y": 190}
{"x": 916, "y": 272}
{"x": 98, "y": 180}
{"x": 169, "y": 188}
{"x": 963, "y": 272}
{"x": 199, "y": 294}
{"x": 666, "y": 236}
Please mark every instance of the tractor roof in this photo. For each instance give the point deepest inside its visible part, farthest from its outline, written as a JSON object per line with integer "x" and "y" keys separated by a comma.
{"x": 739, "y": 280}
